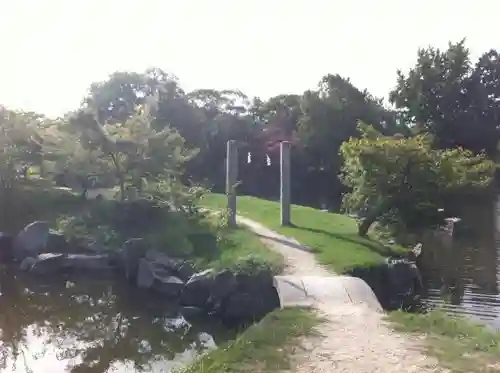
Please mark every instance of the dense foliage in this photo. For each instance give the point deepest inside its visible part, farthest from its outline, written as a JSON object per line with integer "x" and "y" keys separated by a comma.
{"x": 405, "y": 181}
{"x": 135, "y": 129}
{"x": 446, "y": 95}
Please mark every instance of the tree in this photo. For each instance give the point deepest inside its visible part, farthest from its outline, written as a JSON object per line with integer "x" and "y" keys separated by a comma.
{"x": 316, "y": 122}
{"x": 406, "y": 179}
{"x": 136, "y": 151}
{"x": 328, "y": 118}
{"x": 74, "y": 159}
{"x": 444, "y": 95}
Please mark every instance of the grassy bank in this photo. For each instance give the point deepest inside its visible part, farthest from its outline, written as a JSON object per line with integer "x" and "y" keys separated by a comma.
{"x": 240, "y": 248}
{"x": 458, "y": 344}
{"x": 333, "y": 237}
{"x": 108, "y": 222}
{"x": 263, "y": 347}
{"x": 200, "y": 239}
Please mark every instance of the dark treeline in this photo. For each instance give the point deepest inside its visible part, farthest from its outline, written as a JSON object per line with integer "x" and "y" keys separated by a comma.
{"x": 316, "y": 122}
{"x": 444, "y": 94}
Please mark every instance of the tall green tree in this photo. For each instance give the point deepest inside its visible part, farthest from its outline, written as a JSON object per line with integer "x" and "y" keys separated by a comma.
{"x": 406, "y": 180}
{"x": 328, "y": 118}
{"x": 445, "y": 95}
{"x": 137, "y": 152}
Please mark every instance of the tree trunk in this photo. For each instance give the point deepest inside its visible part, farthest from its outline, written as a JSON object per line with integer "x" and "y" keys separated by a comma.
{"x": 372, "y": 217}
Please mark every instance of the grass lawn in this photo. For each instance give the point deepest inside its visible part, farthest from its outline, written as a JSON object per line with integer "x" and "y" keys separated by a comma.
{"x": 333, "y": 237}
{"x": 263, "y": 347}
{"x": 459, "y": 345}
{"x": 241, "y": 248}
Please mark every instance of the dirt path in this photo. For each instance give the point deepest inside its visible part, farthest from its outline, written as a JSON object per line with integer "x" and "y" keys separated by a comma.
{"x": 354, "y": 338}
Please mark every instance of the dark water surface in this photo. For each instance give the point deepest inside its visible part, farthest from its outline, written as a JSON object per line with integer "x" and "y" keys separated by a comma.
{"x": 94, "y": 326}
{"x": 463, "y": 273}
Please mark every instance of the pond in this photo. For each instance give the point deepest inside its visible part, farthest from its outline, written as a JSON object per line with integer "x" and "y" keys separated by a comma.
{"x": 94, "y": 326}
{"x": 462, "y": 273}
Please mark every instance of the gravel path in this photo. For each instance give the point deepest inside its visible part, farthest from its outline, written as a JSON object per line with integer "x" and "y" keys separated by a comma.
{"x": 354, "y": 338}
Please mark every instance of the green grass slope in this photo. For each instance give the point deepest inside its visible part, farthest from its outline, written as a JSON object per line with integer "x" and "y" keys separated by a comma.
{"x": 332, "y": 237}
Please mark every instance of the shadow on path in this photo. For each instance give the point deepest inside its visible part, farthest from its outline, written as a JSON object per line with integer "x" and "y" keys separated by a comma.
{"x": 373, "y": 246}
{"x": 287, "y": 242}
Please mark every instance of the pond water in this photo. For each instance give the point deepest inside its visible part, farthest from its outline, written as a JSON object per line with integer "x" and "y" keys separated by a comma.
{"x": 462, "y": 273}
{"x": 94, "y": 326}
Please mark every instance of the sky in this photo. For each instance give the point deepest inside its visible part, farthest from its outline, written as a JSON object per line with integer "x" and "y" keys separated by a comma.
{"x": 52, "y": 50}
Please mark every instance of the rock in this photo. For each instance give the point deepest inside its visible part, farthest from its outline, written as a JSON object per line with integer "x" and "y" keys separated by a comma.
{"x": 133, "y": 250}
{"x": 242, "y": 307}
{"x": 197, "y": 289}
{"x": 95, "y": 248}
{"x": 56, "y": 242}
{"x": 170, "y": 286}
{"x": 224, "y": 284}
{"x": 253, "y": 282}
{"x": 171, "y": 264}
{"x": 87, "y": 262}
{"x": 253, "y": 297}
{"x": 48, "y": 263}
{"x": 396, "y": 283}
{"x": 6, "y": 242}
{"x": 376, "y": 276}
{"x": 239, "y": 306}
{"x": 185, "y": 271}
{"x": 192, "y": 312}
{"x": 27, "y": 263}
{"x": 145, "y": 274}
{"x": 153, "y": 275}
{"x": 31, "y": 241}
{"x": 404, "y": 282}
{"x": 182, "y": 268}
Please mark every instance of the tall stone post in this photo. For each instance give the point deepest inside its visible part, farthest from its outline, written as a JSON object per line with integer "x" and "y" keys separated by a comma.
{"x": 285, "y": 182}
{"x": 231, "y": 180}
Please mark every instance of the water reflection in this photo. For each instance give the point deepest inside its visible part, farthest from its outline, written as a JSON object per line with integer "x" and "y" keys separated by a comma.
{"x": 93, "y": 327}
{"x": 462, "y": 274}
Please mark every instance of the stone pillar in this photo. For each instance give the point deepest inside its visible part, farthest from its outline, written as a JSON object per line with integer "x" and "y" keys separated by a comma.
{"x": 231, "y": 180}
{"x": 285, "y": 182}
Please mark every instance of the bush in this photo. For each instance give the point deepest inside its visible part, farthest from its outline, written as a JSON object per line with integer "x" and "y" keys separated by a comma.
{"x": 111, "y": 222}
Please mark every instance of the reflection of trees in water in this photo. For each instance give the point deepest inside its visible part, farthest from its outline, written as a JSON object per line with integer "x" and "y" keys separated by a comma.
{"x": 466, "y": 263}
{"x": 100, "y": 324}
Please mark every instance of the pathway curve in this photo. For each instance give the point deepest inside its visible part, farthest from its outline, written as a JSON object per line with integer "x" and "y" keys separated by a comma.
{"x": 354, "y": 338}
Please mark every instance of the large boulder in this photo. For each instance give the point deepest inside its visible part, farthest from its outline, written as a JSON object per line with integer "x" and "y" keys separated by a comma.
{"x": 48, "y": 263}
{"x": 56, "y": 242}
{"x": 179, "y": 267}
{"x": 197, "y": 289}
{"x": 152, "y": 275}
{"x": 97, "y": 263}
{"x": 190, "y": 313}
{"x": 255, "y": 282}
{"x": 171, "y": 264}
{"x": 405, "y": 283}
{"x": 234, "y": 297}
{"x": 133, "y": 250}
{"x": 223, "y": 285}
{"x": 249, "y": 306}
{"x": 239, "y": 306}
{"x": 170, "y": 286}
{"x": 185, "y": 271}
{"x": 145, "y": 274}
{"x": 27, "y": 263}
{"x": 31, "y": 241}
{"x": 397, "y": 283}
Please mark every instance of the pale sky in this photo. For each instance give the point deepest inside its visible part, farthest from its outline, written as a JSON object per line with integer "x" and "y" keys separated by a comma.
{"x": 51, "y": 50}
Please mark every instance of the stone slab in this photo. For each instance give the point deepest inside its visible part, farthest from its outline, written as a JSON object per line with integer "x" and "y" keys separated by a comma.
{"x": 305, "y": 291}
